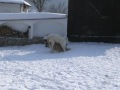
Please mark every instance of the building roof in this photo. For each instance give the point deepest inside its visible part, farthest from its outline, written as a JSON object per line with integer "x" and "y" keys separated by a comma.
{"x": 15, "y": 1}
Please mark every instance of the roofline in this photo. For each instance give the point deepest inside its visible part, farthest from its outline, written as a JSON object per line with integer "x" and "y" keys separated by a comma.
{"x": 26, "y": 3}
{"x": 30, "y": 16}
{"x": 34, "y": 19}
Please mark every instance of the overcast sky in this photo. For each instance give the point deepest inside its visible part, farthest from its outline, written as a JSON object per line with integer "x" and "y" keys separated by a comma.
{"x": 49, "y": 3}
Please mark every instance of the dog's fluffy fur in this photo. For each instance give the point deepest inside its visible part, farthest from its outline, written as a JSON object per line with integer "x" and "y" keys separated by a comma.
{"x": 57, "y": 47}
{"x": 56, "y": 42}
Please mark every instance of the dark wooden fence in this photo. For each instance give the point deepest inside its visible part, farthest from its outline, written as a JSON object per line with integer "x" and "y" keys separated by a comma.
{"x": 94, "y": 20}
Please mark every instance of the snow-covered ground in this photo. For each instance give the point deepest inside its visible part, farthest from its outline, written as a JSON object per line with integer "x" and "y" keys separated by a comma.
{"x": 87, "y": 66}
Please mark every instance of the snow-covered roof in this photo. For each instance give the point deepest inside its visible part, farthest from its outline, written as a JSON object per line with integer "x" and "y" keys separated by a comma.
{"x": 27, "y": 3}
{"x": 30, "y": 16}
{"x": 15, "y": 1}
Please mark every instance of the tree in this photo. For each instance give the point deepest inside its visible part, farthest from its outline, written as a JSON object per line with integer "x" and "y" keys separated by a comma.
{"x": 58, "y": 8}
{"x": 39, "y": 4}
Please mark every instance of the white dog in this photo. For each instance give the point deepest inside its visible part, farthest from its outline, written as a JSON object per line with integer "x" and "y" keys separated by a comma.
{"x": 55, "y": 38}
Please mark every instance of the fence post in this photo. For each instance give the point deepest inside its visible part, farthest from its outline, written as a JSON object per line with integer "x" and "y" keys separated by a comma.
{"x": 31, "y": 32}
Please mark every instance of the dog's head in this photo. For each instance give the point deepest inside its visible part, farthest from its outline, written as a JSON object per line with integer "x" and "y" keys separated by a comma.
{"x": 46, "y": 43}
{"x": 45, "y": 39}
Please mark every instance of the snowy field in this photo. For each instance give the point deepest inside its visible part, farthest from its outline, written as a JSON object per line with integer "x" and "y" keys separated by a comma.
{"x": 87, "y": 66}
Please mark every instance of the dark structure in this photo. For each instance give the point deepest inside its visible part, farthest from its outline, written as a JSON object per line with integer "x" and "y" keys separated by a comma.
{"x": 6, "y": 31}
{"x": 94, "y": 20}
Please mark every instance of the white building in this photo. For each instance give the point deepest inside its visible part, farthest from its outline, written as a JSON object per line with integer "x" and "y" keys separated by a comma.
{"x": 41, "y": 24}
{"x": 13, "y": 6}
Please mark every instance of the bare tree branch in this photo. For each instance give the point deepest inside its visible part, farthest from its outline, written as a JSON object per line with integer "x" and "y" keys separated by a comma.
{"x": 39, "y": 4}
{"x": 58, "y": 8}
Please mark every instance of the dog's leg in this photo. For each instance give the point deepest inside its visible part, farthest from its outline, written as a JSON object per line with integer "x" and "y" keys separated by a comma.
{"x": 63, "y": 46}
{"x": 52, "y": 46}
{"x": 46, "y": 43}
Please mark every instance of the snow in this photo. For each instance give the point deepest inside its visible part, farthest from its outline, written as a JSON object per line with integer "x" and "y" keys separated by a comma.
{"x": 41, "y": 15}
{"x": 13, "y": 1}
{"x": 87, "y": 66}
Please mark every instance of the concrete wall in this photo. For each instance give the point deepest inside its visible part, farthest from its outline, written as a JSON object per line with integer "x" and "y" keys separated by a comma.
{"x": 19, "y": 41}
{"x": 40, "y": 25}
{"x": 39, "y": 28}
{"x": 17, "y": 25}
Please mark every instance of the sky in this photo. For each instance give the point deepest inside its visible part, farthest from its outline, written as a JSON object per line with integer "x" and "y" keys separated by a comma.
{"x": 57, "y": 1}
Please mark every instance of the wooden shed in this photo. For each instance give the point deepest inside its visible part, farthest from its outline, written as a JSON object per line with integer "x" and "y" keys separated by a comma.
{"x": 94, "y": 20}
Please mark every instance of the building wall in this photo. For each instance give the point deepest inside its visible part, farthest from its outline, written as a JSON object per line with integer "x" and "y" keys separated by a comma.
{"x": 9, "y": 8}
{"x": 39, "y": 28}
{"x": 38, "y": 24}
